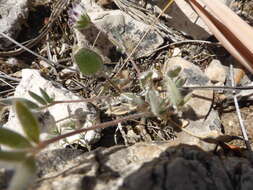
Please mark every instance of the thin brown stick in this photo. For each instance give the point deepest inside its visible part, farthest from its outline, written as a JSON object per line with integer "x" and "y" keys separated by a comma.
{"x": 185, "y": 42}
{"x": 45, "y": 143}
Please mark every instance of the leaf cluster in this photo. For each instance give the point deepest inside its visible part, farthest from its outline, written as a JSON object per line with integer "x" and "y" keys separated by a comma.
{"x": 161, "y": 98}
{"x": 88, "y": 61}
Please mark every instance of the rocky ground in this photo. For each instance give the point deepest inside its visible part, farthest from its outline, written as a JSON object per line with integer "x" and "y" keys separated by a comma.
{"x": 147, "y": 152}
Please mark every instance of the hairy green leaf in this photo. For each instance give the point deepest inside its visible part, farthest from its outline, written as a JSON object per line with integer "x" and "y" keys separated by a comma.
{"x": 37, "y": 98}
{"x": 28, "y": 121}
{"x": 46, "y": 96}
{"x": 11, "y": 156}
{"x": 13, "y": 139}
{"x": 88, "y": 61}
{"x": 83, "y": 22}
{"x": 10, "y": 101}
{"x": 174, "y": 72}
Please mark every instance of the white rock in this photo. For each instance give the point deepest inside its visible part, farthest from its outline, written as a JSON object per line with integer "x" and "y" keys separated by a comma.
{"x": 176, "y": 52}
{"x": 13, "y": 13}
{"x": 32, "y": 81}
{"x": 216, "y": 71}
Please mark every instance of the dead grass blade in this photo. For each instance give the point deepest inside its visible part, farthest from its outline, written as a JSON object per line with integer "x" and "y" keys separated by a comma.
{"x": 233, "y": 33}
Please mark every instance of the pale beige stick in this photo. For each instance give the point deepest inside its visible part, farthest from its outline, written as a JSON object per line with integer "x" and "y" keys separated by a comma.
{"x": 226, "y": 26}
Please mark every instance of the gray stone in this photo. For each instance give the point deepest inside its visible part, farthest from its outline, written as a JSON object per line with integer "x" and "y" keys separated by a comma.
{"x": 154, "y": 166}
{"x": 181, "y": 167}
{"x": 13, "y": 14}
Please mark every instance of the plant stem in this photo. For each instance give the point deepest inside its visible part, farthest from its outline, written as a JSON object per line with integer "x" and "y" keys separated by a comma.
{"x": 45, "y": 143}
{"x": 74, "y": 101}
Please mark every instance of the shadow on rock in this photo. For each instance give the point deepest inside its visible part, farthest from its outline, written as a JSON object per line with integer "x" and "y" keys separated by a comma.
{"x": 187, "y": 167}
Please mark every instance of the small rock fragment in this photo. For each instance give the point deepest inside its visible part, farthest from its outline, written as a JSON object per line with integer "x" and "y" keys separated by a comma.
{"x": 176, "y": 52}
{"x": 216, "y": 71}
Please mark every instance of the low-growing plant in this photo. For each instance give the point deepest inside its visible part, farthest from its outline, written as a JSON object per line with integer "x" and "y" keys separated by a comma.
{"x": 160, "y": 97}
{"x": 23, "y": 149}
{"x": 149, "y": 102}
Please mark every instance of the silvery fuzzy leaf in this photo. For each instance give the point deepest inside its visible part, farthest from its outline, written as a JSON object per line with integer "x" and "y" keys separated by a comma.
{"x": 173, "y": 92}
{"x": 46, "y": 96}
{"x": 145, "y": 79}
{"x": 180, "y": 82}
{"x": 155, "y": 101}
{"x": 10, "y": 101}
{"x": 83, "y": 21}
